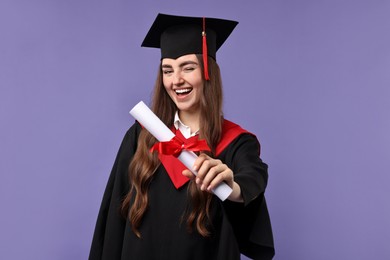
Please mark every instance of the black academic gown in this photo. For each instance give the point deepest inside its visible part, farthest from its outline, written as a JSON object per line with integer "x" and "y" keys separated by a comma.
{"x": 237, "y": 227}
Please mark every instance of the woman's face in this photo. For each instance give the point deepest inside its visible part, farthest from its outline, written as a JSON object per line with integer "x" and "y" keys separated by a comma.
{"x": 182, "y": 79}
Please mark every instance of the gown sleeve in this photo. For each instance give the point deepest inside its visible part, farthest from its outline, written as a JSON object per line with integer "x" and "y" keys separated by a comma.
{"x": 250, "y": 220}
{"x": 110, "y": 225}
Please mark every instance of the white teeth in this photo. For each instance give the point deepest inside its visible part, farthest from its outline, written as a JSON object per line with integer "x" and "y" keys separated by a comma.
{"x": 181, "y": 91}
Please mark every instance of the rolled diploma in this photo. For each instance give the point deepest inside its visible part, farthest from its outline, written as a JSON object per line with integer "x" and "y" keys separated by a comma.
{"x": 162, "y": 133}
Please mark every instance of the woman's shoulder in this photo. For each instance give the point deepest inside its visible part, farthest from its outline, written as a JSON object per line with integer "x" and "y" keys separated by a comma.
{"x": 231, "y": 128}
{"x": 130, "y": 138}
{"x": 134, "y": 129}
{"x": 233, "y": 133}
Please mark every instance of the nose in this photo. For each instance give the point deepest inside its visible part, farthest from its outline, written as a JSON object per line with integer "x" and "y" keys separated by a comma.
{"x": 177, "y": 78}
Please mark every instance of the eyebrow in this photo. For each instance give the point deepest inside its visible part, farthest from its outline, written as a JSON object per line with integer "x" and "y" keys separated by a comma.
{"x": 184, "y": 63}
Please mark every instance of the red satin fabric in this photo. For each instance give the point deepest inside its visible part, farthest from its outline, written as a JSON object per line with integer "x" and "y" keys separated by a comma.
{"x": 174, "y": 167}
{"x": 177, "y": 145}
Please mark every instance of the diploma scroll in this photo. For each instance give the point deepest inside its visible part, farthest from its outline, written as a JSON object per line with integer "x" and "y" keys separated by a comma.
{"x": 162, "y": 133}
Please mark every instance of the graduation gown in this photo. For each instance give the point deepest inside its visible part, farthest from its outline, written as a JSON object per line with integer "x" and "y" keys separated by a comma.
{"x": 237, "y": 227}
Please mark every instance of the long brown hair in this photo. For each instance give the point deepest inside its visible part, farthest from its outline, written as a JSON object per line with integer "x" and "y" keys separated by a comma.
{"x": 145, "y": 163}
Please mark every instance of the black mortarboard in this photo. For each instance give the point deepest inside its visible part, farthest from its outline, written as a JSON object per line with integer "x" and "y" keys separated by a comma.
{"x": 180, "y": 35}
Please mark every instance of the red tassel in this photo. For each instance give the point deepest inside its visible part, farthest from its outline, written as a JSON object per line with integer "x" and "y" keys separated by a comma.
{"x": 204, "y": 50}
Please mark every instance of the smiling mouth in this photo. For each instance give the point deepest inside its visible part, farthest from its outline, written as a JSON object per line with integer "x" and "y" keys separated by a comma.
{"x": 183, "y": 91}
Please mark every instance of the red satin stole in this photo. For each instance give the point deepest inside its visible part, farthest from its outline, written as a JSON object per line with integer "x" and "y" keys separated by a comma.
{"x": 174, "y": 167}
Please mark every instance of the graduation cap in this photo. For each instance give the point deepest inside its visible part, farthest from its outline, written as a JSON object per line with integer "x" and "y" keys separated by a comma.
{"x": 181, "y": 35}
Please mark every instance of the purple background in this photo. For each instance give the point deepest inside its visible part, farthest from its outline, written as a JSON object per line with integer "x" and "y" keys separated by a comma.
{"x": 309, "y": 78}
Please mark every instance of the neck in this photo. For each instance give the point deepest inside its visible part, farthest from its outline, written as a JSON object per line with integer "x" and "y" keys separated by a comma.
{"x": 190, "y": 119}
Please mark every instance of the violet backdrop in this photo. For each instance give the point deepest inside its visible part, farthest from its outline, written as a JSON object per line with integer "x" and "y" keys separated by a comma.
{"x": 310, "y": 78}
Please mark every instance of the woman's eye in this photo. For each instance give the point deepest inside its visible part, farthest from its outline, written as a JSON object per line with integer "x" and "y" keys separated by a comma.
{"x": 189, "y": 69}
{"x": 166, "y": 72}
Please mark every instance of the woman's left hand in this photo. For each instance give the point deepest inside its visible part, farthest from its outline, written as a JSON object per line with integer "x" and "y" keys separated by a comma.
{"x": 212, "y": 172}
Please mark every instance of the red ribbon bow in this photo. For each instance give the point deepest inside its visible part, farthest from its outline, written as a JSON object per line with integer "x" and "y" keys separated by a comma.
{"x": 176, "y": 145}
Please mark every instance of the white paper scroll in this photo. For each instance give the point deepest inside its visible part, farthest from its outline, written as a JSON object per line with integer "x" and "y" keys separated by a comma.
{"x": 163, "y": 134}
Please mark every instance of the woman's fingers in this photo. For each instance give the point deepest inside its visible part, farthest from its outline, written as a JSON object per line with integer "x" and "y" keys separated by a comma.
{"x": 211, "y": 172}
{"x": 199, "y": 161}
{"x": 226, "y": 176}
{"x": 188, "y": 174}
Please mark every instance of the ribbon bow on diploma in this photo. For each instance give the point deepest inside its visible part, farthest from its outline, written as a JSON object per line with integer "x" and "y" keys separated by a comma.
{"x": 176, "y": 145}
{"x": 162, "y": 133}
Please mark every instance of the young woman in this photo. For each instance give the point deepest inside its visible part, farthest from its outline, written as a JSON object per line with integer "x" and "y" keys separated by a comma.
{"x": 155, "y": 208}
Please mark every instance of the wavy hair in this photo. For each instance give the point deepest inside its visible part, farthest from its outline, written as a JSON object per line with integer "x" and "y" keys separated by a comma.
{"x": 144, "y": 163}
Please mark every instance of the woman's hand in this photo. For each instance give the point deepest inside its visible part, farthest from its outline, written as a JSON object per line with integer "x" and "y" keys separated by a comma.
{"x": 212, "y": 172}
